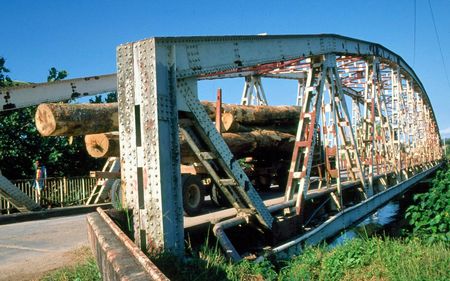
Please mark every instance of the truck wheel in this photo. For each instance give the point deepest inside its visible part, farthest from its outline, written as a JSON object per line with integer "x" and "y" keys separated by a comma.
{"x": 116, "y": 195}
{"x": 193, "y": 195}
{"x": 218, "y": 197}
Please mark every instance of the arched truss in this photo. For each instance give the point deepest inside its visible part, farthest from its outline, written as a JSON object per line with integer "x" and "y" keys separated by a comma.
{"x": 401, "y": 94}
{"x": 366, "y": 124}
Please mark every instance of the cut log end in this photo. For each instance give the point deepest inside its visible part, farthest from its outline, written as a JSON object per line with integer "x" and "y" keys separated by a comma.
{"x": 227, "y": 121}
{"x": 45, "y": 120}
{"x": 97, "y": 145}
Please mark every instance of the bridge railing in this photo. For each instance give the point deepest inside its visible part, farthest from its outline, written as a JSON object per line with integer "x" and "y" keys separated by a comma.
{"x": 57, "y": 192}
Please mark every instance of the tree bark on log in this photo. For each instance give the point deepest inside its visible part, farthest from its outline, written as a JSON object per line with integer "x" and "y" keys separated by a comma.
{"x": 54, "y": 119}
{"x": 82, "y": 119}
{"x": 259, "y": 143}
{"x": 237, "y": 116}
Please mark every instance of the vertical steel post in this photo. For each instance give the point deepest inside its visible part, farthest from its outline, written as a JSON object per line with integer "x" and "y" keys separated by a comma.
{"x": 148, "y": 118}
{"x": 369, "y": 131}
{"x": 63, "y": 189}
{"x": 412, "y": 123}
{"x": 396, "y": 89}
{"x": 337, "y": 129}
{"x": 247, "y": 91}
{"x": 260, "y": 93}
{"x": 305, "y": 141}
{"x": 300, "y": 91}
{"x": 219, "y": 110}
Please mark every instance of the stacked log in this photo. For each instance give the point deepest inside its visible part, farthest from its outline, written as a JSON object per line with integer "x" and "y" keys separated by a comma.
{"x": 244, "y": 144}
{"x": 82, "y": 119}
{"x": 103, "y": 145}
{"x": 63, "y": 119}
{"x": 244, "y": 118}
{"x": 248, "y": 130}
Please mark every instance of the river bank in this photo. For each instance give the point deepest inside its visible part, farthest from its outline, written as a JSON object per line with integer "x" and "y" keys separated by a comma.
{"x": 408, "y": 239}
{"x": 374, "y": 258}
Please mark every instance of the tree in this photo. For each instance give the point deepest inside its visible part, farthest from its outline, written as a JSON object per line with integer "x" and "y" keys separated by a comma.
{"x": 4, "y": 79}
{"x": 55, "y": 75}
{"x": 21, "y": 144}
{"x": 110, "y": 97}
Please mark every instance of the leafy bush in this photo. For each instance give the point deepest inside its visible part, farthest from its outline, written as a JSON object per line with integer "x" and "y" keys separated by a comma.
{"x": 430, "y": 216}
{"x": 372, "y": 258}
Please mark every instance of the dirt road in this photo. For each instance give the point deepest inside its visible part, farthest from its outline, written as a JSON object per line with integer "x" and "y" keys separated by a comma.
{"x": 29, "y": 249}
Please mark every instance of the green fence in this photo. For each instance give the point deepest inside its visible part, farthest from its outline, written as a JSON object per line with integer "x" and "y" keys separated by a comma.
{"x": 58, "y": 192}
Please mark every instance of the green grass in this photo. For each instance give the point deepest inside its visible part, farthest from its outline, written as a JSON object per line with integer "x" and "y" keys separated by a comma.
{"x": 84, "y": 269}
{"x": 359, "y": 259}
{"x": 210, "y": 264}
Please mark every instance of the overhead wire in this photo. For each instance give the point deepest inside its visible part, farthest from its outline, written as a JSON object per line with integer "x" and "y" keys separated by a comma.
{"x": 439, "y": 43}
{"x": 415, "y": 25}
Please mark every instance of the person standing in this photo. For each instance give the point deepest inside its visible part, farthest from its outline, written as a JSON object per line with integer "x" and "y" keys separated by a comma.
{"x": 39, "y": 180}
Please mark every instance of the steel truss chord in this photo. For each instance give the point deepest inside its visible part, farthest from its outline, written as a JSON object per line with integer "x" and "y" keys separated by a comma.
{"x": 333, "y": 115}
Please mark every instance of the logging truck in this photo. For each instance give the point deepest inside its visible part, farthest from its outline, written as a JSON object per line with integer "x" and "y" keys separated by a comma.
{"x": 261, "y": 137}
{"x": 265, "y": 174}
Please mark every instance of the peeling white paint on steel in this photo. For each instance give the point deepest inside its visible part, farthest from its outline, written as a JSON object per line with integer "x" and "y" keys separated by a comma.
{"x": 33, "y": 94}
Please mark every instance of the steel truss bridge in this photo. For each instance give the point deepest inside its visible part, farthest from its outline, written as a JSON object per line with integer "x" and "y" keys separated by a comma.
{"x": 366, "y": 132}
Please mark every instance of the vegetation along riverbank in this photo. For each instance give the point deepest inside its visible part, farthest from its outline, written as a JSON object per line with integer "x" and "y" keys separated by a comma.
{"x": 420, "y": 252}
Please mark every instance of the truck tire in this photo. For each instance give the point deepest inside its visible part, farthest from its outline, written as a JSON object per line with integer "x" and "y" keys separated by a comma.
{"x": 116, "y": 195}
{"x": 218, "y": 197}
{"x": 193, "y": 195}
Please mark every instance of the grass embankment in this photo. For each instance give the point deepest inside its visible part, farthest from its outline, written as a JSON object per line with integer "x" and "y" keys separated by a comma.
{"x": 359, "y": 259}
{"x": 84, "y": 268}
{"x": 422, "y": 254}
{"x": 372, "y": 259}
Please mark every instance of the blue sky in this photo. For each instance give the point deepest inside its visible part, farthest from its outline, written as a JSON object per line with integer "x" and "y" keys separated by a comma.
{"x": 81, "y": 36}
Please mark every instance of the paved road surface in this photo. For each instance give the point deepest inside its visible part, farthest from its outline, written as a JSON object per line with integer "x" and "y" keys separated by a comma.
{"x": 29, "y": 249}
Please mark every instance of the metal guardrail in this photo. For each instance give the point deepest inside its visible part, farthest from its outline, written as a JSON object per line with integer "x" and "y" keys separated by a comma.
{"x": 58, "y": 191}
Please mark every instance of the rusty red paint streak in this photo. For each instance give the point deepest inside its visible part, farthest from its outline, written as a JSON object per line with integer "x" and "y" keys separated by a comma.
{"x": 150, "y": 124}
